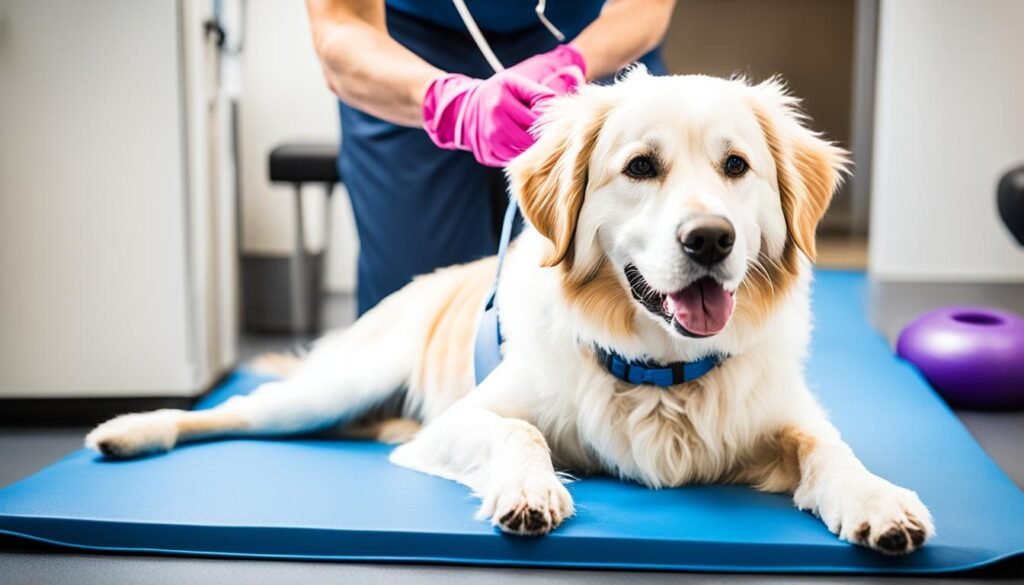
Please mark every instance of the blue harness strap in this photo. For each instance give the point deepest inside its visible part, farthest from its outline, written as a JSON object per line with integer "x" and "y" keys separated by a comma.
{"x": 487, "y": 345}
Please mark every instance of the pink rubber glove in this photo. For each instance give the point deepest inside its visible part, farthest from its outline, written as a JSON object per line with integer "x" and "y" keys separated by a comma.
{"x": 561, "y": 69}
{"x": 490, "y": 118}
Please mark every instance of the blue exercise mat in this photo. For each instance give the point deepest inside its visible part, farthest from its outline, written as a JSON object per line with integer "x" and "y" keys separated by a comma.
{"x": 322, "y": 499}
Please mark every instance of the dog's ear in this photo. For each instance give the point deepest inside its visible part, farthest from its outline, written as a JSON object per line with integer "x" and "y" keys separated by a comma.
{"x": 809, "y": 168}
{"x": 550, "y": 178}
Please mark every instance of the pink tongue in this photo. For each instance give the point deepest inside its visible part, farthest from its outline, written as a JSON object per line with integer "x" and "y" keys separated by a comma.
{"x": 703, "y": 308}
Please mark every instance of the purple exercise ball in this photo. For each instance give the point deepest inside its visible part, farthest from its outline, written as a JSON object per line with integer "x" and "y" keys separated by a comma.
{"x": 973, "y": 356}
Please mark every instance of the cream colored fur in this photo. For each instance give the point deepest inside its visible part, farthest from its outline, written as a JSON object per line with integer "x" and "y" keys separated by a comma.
{"x": 549, "y": 406}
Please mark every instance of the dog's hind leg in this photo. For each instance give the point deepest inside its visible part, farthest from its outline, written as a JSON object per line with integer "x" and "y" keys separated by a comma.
{"x": 346, "y": 374}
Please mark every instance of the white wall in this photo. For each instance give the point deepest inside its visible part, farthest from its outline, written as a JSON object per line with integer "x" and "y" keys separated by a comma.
{"x": 284, "y": 97}
{"x": 949, "y": 121}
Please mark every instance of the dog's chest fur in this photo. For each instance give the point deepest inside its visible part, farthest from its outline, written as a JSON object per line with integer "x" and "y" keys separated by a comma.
{"x": 692, "y": 433}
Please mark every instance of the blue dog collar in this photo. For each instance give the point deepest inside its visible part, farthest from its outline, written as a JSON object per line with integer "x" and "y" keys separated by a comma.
{"x": 654, "y": 374}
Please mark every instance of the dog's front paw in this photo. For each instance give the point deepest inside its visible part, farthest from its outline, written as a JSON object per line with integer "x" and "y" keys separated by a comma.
{"x": 882, "y": 516}
{"x": 134, "y": 435}
{"x": 528, "y": 507}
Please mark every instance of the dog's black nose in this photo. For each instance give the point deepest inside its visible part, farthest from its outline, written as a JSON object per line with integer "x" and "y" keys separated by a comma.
{"x": 707, "y": 239}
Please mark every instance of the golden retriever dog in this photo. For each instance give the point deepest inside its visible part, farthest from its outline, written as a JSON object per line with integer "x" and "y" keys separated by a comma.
{"x": 669, "y": 219}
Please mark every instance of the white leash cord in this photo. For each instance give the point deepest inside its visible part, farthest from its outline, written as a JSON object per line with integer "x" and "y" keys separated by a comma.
{"x": 478, "y": 37}
{"x": 539, "y": 9}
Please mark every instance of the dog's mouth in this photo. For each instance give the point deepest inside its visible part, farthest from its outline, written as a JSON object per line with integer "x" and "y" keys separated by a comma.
{"x": 701, "y": 309}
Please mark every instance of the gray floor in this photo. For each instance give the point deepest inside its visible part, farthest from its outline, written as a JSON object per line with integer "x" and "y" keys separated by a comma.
{"x": 25, "y": 450}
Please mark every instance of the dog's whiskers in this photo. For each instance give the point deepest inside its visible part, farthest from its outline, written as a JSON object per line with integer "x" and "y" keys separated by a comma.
{"x": 762, "y": 271}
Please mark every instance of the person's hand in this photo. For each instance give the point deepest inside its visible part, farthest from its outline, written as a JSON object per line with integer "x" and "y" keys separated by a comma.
{"x": 561, "y": 69}
{"x": 490, "y": 118}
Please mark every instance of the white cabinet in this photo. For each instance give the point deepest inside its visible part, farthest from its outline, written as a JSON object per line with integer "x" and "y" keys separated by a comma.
{"x": 117, "y": 251}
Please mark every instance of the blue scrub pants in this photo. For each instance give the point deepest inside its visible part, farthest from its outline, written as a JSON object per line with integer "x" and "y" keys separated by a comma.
{"x": 417, "y": 207}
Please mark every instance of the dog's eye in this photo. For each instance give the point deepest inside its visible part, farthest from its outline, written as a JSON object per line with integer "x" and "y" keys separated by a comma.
{"x": 734, "y": 166}
{"x": 641, "y": 167}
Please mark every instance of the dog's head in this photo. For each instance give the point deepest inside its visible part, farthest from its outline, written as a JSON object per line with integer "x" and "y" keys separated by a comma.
{"x": 685, "y": 199}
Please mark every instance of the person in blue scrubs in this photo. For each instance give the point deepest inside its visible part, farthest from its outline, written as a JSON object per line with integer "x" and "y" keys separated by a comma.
{"x": 419, "y": 207}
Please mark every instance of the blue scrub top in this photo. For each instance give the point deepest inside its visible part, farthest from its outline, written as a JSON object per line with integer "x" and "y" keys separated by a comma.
{"x": 504, "y": 16}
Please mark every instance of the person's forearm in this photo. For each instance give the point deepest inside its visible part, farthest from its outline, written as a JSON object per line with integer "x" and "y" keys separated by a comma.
{"x": 625, "y": 31}
{"x": 364, "y": 66}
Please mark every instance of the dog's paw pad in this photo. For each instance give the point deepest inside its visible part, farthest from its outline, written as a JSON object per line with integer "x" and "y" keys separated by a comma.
{"x": 134, "y": 435}
{"x": 527, "y": 521}
{"x": 918, "y": 533}
{"x": 889, "y": 519}
{"x": 529, "y": 510}
{"x": 113, "y": 448}
{"x": 893, "y": 541}
{"x": 900, "y": 538}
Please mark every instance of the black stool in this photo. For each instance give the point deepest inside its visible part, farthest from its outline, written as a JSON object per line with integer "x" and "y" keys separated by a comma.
{"x": 299, "y": 163}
